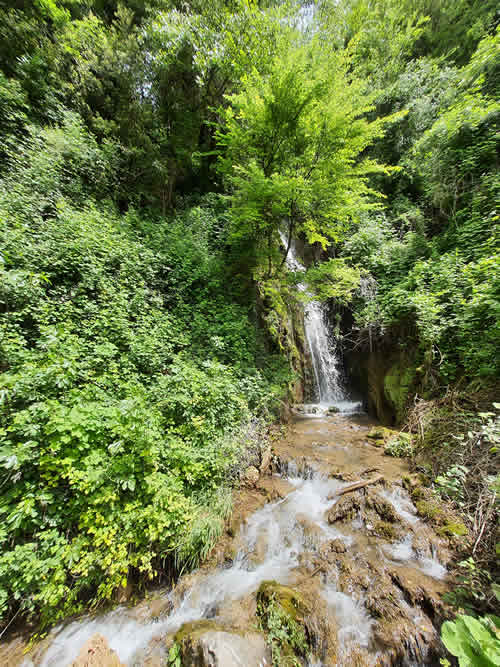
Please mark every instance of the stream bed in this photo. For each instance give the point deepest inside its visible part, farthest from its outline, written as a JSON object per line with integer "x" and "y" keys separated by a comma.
{"x": 369, "y": 573}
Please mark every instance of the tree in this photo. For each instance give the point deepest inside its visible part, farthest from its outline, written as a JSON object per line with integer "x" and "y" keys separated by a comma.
{"x": 292, "y": 143}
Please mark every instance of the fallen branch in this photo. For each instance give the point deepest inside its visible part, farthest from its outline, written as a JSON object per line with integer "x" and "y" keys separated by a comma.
{"x": 359, "y": 485}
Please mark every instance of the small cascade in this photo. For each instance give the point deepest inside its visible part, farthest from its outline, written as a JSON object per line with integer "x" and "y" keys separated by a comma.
{"x": 372, "y": 586}
{"x": 329, "y": 388}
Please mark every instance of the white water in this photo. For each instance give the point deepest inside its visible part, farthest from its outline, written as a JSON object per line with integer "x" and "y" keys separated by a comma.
{"x": 329, "y": 388}
{"x": 271, "y": 543}
{"x": 356, "y": 625}
{"x": 403, "y": 552}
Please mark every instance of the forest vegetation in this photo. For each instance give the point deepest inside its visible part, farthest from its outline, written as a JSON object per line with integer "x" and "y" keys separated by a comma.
{"x": 152, "y": 155}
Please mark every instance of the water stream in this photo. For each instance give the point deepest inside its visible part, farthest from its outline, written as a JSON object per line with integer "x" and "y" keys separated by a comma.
{"x": 372, "y": 571}
{"x": 284, "y": 541}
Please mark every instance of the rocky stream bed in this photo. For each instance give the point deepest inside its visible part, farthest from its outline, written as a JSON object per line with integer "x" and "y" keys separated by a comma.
{"x": 356, "y": 569}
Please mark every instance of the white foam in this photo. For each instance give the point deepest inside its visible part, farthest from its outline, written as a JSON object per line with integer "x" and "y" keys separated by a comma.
{"x": 354, "y": 623}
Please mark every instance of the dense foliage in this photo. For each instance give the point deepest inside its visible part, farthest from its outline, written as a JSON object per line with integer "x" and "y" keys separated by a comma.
{"x": 156, "y": 160}
{"x": 128, "y": 370}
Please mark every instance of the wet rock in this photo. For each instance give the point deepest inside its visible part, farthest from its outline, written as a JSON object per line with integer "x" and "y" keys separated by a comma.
{"x": 346, "y": 508}
{"x": 386, "y": 530}
{"x": 290, "y": 600}
{"x": 405, "y": 643}
{"x": 381, "y": 506}
{"x": 329, "y": 551}
{"x": 239, "y": 615}
{"x": 265, "y": 462}
{"x": 207, "y": 644}
{"x": 333, "y": 410}
{"x": 337, "y": 546}
{"x": 153, "y": 608}
{"x": 250, "y": 476}
{"x": 312, "y": 532}
{"x": 276, "y": 488}
{"x": 96, "y": 653}
{"x": 258, "y": 555}
{"x": 123, "y": 593}
{"x": 419, "y": 592}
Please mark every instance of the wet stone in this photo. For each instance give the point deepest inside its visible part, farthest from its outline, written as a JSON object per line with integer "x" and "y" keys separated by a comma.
{"x": 206, "y": 644}
{"x": 96, "y": 653}
{"x": 345, "y": 508}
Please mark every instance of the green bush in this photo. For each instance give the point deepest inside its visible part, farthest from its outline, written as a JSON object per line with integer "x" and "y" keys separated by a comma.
{"x": 120, "y": 425}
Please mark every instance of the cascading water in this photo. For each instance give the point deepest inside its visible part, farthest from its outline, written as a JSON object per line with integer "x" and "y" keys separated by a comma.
{"x": 308, "y": 539}
{"x": 273, "y": 543}
{"x": 329, "y": 388}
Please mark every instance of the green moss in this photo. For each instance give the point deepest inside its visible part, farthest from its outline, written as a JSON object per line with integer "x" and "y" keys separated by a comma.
{"x": 290, "y": 601}
{"x": 417, "y": 493}
{"x": 429, "y": 510}
{"x": 377, "y": 433}
{"x": 397, "y": 383}
{"x": 281, "y": 611}
{"x": 385, "y": 529}
{"x": 194, "y": 629}
{"x": 452, "y": 529}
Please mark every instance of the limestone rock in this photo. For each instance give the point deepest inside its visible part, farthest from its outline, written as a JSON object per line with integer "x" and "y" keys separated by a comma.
{"x": 96, "y": 653}
{"x": 205, "y": 644}
{"x": 346, "y": 508}
{"x": 265, "y": 460}
{"x": 250, "y": 476}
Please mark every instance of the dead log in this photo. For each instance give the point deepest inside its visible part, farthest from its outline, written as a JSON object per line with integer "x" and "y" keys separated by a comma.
{"x": 358, "y": 485}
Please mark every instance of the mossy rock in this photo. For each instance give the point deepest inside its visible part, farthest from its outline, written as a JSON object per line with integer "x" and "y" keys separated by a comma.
{"x": 382, "y": 507}
{"x": 397, "y": 383}
{"x": 377, "y": 433}
{"x": 381, "y": 433}
{"x": 386, "y": 529}
{"x": 194, "y": 629}
{"x": 291, "y": 602}
{"x": 429, "y": 510}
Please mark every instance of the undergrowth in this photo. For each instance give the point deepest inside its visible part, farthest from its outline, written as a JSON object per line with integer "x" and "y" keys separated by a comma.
{"x": 457, "y": 448}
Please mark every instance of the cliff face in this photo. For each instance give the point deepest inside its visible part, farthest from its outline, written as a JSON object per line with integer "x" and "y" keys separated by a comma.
{"x": 386, "y": 377}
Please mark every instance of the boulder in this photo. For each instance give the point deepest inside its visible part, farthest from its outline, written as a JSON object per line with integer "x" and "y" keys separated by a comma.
{"x": 206, "y": 644}
{"x": 96, "y": 653}
{"x": 290, "y": 600}
{"x": 345, "y": 508}
{"x": 250, "y": 476}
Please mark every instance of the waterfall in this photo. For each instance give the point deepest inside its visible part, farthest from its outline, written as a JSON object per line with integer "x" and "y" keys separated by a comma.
{"x": 329, "y": 389}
